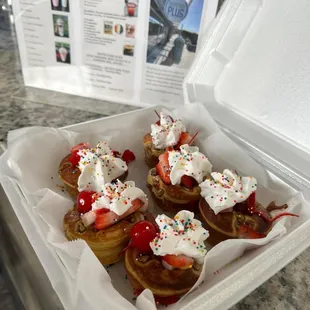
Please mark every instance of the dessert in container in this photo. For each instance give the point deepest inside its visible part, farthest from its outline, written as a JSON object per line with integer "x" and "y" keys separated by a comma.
{"x": 85, "y": 165}
{"x": 104, "y": 219}
{"x": 165, "y": 133}
{"x": 230, "y": 209}
{"x": 172, "y": 264}
{"x": 73, "y": 264}
{"x": 174, "y": 183}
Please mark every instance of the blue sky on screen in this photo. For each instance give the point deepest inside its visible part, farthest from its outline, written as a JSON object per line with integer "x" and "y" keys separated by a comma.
{"x": 192, "y": 21}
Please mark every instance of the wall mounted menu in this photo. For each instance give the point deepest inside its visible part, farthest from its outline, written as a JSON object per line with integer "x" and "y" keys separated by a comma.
{"x": 129, "y": 51}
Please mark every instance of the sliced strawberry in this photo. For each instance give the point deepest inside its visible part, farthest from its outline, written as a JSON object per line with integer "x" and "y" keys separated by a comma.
{"x": 185, "y": 138}
{"x": 187, "y": 181}
{"x": 135, "y": 206}
{"x": 179, "y": 261}
{"x": 128, "y": 156}
{"x": 80, "y": 146}
{"x": 163, "y": 168}
{"x": 105, "y": 220}
{"x": 246, "y": 232}
{"x": 101, "y": 211}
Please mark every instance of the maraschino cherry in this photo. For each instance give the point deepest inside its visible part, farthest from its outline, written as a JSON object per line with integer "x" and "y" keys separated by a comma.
{"x": 142, "y": 233}
{"x": 75, "y": 158}
{"x": 84, "y": 201}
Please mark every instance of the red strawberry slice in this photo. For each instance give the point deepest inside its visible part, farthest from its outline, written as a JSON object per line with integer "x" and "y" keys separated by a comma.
{"x": 105, "y": 220}
{"x": 108, "y": 218}
{"x": 185, "y": 138}
{"x": 187, "y": 181}
{"x": 163, "y": 168}
{"x": 135, "y": 206}
{"x": 179, "y": 261}
{"x": 80, "y": 146}
{"x": 101, "y": 211}
{"x": 246, "y": 232}
{"x": 128, "y": 156}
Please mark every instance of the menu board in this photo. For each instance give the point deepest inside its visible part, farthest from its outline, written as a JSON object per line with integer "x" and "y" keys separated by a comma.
{"x": 129, "y": 51}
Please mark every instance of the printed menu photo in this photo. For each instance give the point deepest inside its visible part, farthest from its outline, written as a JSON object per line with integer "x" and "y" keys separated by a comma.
{"x": 128, "y": 51}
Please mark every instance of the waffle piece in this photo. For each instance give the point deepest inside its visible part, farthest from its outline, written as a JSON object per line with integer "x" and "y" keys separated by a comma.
{"x": 172, "y": 198}
{"x": 107, "y": 244}
{"x": 236, "y": 224}
{"x": 147, "y": 271}
{"x": 69, "y": 174}
{"x": 151, "y": 154}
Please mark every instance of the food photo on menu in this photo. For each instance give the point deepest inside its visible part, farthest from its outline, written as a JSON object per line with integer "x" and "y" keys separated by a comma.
{"x": 108, "y": 27}
{"x": 60, "y": 5}
{"x": 128, "y": 50}
{"x": 130, "y": 31}
{"x": 118, "y": 29}
{"x": 61, "y": 26}
{"x": 131, "y": 8}
{"x": 173, "y": 34}
{"x": 63, "y": 54}
{"x": 155, "y": 161}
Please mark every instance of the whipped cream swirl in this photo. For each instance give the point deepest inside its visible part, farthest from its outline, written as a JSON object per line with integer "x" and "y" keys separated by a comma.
{"x": 116, "y": 197}
{"x": 181, "y": 235}
{"x": 226, "y": 189}
{"x": 98, "y": 166}
{"x": 188, "y": 161}
{"x": 167, "y": 133}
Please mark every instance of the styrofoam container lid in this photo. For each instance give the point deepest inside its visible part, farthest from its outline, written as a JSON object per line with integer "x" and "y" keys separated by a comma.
{"x": 253, "y": 73}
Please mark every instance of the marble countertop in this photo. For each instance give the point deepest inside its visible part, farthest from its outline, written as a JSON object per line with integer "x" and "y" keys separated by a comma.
{"x": 22, "y": 106}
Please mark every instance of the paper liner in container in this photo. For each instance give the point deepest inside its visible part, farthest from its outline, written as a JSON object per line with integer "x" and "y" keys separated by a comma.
{"x": 33, "y": 159}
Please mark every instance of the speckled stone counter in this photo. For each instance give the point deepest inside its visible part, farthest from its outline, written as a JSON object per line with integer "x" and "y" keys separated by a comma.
{"x": 20, "y": 107}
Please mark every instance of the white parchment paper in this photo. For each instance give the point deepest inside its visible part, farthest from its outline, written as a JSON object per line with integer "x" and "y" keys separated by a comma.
{"x": 32, "y": 161}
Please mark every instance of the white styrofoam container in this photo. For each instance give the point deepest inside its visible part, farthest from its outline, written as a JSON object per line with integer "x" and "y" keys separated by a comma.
{"x": 253, "y": 74}
{"x": 252, "y": 65}
{"x": 227, "y": 287}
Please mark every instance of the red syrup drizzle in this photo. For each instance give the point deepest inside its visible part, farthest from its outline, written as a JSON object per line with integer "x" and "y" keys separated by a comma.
{"x": 252, "y": 209}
